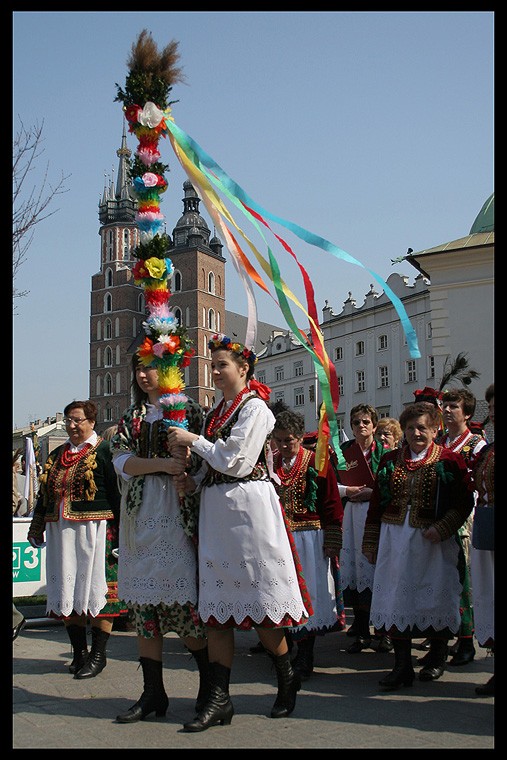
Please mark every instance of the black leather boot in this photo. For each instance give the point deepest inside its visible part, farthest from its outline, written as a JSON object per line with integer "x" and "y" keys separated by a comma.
{"x": 385, "y": 644}
{"x": 96, "y": 660}
{"x": 465, "y": 652}
{"x": 153, "y": 699}
{"x": 218, "y": 707}
{"x": 201, "y": 658}
{"x": 403, "y": 673}
{"x": 77, "y": 636}
{"x": 289, "y": 683}
{"x": 363, "y": 637}
{"x": 437, "y": 657}
{"x": 302, "y": 663}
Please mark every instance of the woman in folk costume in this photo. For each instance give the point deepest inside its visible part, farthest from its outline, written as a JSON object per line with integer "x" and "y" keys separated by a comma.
{"x": 356, "y": 572}
{"x": 78, "y": 508}
{"x": 157, "y": 573}
{"x": 422, "y": 494}
{"x": 458, "y": 407}
{"x": 482, "y": 554}
{"x": 249, "y": 573}
{"x": 314, "y": 511}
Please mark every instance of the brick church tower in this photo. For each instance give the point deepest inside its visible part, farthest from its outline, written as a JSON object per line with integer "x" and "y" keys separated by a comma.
{"x": 117, "y": 304}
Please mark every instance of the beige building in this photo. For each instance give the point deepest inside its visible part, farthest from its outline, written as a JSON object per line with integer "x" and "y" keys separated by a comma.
{"x": 450, "y": 305}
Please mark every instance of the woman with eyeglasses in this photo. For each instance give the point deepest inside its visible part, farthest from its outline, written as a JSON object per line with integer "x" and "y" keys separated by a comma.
{"x": 77, "y": 514}
{"x": 363, "y": 454}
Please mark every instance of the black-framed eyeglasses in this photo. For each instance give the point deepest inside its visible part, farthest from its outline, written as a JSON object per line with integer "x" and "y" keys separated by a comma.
{"x": 68, "y": 420}
{"x": 365, "y": 422}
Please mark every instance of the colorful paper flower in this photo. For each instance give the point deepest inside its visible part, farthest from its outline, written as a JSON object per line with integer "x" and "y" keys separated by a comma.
{"x": 150, "y": 116}
{"x": 156, "y": 268}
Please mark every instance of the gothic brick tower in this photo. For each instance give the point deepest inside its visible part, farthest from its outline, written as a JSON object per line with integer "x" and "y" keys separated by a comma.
{"x": 198, "y": 291}
{"x": 117, "y": 304}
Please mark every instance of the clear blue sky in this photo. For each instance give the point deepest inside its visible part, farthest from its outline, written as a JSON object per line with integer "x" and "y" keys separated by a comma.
{"x": 373, "y": 130}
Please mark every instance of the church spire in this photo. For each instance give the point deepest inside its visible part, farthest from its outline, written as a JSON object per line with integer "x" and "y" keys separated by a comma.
{"x": 123, "y": 182}
{"x": 118, "y": 204}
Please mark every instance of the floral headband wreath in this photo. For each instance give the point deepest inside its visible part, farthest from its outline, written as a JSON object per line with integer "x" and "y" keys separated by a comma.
{"x": 221, "y": 341}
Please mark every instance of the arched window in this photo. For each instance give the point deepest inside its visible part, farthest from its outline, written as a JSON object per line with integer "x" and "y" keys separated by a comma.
{"x": 134, "y": 327}
{"x": 108, "y": 357}
{"x": 108, "y": 385}
{"x": 118, "y": 355}
{"x": 117, "y": 327}
{"x": 177, "y": 316}
{"x": 211, "y": 319}
{"x": 211, "y": 283}
{"x": 97, "y": 386}
{"x": 177, "y": 281}
{"x": 98, "y": 357}
{"x": 140, "y": 303}
{"x": 118, "y": 382}
{"x": 108, "y": 330}
{"x": 109, "y": 278}
{"x": 108, "y": 302}
{"x": 99, "y": 329}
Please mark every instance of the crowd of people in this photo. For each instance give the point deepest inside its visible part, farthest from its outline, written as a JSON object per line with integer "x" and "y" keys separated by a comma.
{"x": 224, "y": 524}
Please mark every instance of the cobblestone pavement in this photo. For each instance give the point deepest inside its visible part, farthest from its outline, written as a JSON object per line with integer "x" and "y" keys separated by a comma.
{"x": 340, "y": 706}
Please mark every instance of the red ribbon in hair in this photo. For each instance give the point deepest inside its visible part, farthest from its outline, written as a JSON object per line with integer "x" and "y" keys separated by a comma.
{"x": 263, "y": 391}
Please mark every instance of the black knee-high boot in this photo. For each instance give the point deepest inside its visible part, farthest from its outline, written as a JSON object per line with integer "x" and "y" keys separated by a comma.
{"x": 96, "y": 660}
{"x": 464, "y": 651}
{"x": 201, "y": 658}
{"x": 218, "y": 707}
{"x": 289, "y": 683}
{"x": 435, "y": 664}
{"x": 362, "y": 627}
{"x": 403, "y": 672}
{"x": 77, "y": 636}
{"x": 303, "y": 661}
{"x": 153, "y": 699}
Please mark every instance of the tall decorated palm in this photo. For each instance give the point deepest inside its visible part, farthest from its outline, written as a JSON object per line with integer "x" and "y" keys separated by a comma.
{"x": 145, "y": 97}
